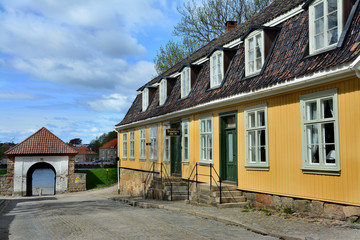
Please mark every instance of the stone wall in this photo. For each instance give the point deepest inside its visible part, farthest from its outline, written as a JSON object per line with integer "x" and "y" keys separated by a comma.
{"x": 134, "y": 183}
{"x": 309, "y": 207}
{"x": 7, "y": 180}
{"x": 77, "y": 182}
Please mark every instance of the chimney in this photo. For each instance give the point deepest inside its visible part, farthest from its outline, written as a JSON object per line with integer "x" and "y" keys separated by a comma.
{"x": 230, "y": 25}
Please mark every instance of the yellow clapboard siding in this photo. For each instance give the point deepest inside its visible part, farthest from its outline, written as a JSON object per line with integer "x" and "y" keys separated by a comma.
{"x": 284, "y": 176}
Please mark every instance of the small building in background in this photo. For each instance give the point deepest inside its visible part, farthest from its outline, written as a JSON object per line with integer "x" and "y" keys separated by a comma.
{"x": 85, "y": 154}
{"x": 108, "y": 152}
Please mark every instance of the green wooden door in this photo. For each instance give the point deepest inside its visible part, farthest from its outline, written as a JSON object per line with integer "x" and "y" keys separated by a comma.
{"x": 175, "y": 155}
{"x": 230, "y": 155}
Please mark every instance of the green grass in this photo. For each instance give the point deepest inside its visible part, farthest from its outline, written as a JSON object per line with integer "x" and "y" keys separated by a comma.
{"x": 97, "y": 177}
{"x": 2, "y": 172}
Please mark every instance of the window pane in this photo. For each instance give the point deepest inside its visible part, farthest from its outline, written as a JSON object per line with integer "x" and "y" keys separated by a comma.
{"x": 327, "y": 108}
{"x": 251, "y": 139}
{"x": 312, "y": 134}
{"x": 251, "y": 66}
{"x": 209, "y": 126}
{"x": 262, "y": 154}
{"x": 186, "y": 146}
{"x": 319, "y": 26}
{"x": 319, "y": 10}
{"x": 231, "y": 151}
{"x": 261, "y": 138}
{"x": 261, "y": 118}
{"x": 313, "y": 143}
{"x": 332, "y": 5}
{"x": 332, "y": 36}
{"x": 328, "y": 133}
{"x": 332, "y": 20}
{"x": 203, "y": 147}
{"x": 330, "y": 154}
{"x": 311, "y": 111}
{"x": 258, "y": 46}
{"x": 319, "y": 41}
{"x": 251, "y": 120}
{"x": 202, "y": 125}
{"x": 252, "y": 154}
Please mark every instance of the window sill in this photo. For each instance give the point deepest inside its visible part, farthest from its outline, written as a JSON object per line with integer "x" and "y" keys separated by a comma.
{"x": 330, "y": 172}
{"x": 246, "y": 77}
{"x": 153, "y": 160}
{"x": 124, "y": 159}
{"x": 166, "y": 162}
{"x": 205, "y": 163}
{"x": 324, "y": 50}
{"x": 257, "y": 168}
{"x": 132, "y": 159}
{"x": 142, "y": 159}
{"x": 185, "y": 163}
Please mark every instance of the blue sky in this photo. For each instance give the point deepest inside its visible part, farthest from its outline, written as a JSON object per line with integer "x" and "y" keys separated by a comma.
{"x": 74, "y": 66}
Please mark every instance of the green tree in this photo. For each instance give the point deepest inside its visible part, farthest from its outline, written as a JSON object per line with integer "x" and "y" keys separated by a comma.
{"x": 200, "y": 23}
{"x": 101, "y": 140}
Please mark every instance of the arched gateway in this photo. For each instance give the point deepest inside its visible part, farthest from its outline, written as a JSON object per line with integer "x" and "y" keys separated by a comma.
{"x": 42, "y": 163}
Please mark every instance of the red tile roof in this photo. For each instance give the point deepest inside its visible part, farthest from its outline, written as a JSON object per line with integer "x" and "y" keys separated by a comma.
{"x": 84, "y": 150}
{"x": 110, "y": 144}
{"x": 43, "y": 142}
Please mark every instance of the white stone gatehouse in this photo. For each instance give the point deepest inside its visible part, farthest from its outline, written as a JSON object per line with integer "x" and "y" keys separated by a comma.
{"x": 41, "y": 165}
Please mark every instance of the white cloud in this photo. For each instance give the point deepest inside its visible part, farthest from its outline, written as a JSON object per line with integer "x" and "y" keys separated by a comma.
{"x": 114, "y": 103}
{"x": 16, "y": 96}
{"x": 77, "y": 43}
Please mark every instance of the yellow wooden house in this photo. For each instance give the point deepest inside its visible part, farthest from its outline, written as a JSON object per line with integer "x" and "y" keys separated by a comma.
{"x": 273, "y": 105}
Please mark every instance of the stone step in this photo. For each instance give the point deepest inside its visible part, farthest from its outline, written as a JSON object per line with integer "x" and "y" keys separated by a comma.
{"x": 214, "y": 187}
{"x": 175, "y": 184}
{"x": 232, "y": 205}
{"x": 176, "y": 197}
{"x": 231, "y": 193}
{"x": 176, "y": 188}
{"x": 230, "y": 199}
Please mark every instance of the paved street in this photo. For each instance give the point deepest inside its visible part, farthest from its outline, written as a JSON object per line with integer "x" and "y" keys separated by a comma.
{"x": 86, "y": 216}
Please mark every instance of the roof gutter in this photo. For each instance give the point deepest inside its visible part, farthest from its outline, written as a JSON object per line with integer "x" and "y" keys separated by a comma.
{"x": 316, "y": 78}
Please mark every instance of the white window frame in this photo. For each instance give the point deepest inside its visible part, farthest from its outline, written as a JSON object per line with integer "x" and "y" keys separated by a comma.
{"x": 216, "y": 65}
{"x": 162, "y": 92}
{"x": 142, "y": 148}
{"x": 326, "y": 46}
{"x": 153, "y": 143}
{"x": 252, "y": 36}
{"x": 145, "y": 99}
{"x": 124, "y": 146}
{"x": 185, "y": 82}
{"x": 132, "y": 145}
{"x": 256, "y": 163}
{"x": 166, "y": 144}
{"x": 185, "y": 135}
{"x": 322, "y": 167}
{"x": 206, "y": 150}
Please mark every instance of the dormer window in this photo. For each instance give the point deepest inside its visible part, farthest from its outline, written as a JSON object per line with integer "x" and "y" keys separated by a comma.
{"x": 254, "y": 52}
{"x": 216, "y": 69}
{"x": 185, "y": 82}
{"x": 162, "y": 92}
{"x": 325, "y": 24}
{"x": 145, "y": 99}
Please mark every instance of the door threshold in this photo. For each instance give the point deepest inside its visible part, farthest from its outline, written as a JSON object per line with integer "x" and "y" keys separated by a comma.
{"x": 229, "y": 182}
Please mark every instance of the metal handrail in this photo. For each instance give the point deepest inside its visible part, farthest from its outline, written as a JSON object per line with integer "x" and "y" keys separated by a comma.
{"x": 189, "y": 178}
{"x": 211, "y": 176}
{"x": 168, "y": 178}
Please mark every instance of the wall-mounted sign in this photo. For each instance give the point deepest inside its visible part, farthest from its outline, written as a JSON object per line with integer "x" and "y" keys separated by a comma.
{"x": 173, "y": 132}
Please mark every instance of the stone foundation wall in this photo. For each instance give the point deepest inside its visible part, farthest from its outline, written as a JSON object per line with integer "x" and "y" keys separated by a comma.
{"x": 134, "y": 183}
{"x": 309, "y": 207}
{"x": 77, "y": 182}
{"x": 5, "y": 186}
{"x": 7, "y": 180}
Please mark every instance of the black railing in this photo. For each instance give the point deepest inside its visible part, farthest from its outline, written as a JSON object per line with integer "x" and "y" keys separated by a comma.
{"x": 211, "y": 176}
{"x": 164, "y": 175}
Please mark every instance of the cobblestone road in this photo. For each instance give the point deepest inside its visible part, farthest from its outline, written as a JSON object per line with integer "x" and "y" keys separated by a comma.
{"x": 92, "y": 217}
